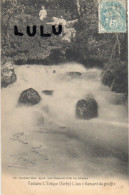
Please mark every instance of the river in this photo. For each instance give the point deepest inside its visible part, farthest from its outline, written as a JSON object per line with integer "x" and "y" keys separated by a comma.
{"x": 48, "y": 139}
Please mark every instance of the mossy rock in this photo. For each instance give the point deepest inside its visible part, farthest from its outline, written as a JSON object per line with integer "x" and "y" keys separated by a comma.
{"x": 29, "y": 97}
{"x": 86, "y": 109}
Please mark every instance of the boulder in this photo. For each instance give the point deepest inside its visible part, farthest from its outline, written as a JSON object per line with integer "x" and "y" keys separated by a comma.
{"x": 119, "y": 85}
{"x": 107, "y": 77}
{"x": 48, "y": 92}
{"x": 74, "y": 74}
{"x": 29, "y": 97}
{"x": 115, "y": 75}
{"x": 86, "y": 108}
{"x": 8, "y": 75}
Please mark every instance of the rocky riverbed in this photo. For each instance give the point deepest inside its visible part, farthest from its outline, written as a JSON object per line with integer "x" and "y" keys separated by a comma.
{"x": 48, "y": 137}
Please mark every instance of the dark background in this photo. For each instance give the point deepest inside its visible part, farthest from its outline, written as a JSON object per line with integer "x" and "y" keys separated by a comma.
{"x": 107, "y": 51}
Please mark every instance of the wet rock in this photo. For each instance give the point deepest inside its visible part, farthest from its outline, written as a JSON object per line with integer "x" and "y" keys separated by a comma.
{"x": 119, "y": 85}
{"x": 48, "y": 92}
{"x": 54, "y": 71}
{"x": 86, "y": 108}
{"x": 74, "y": 74}
{"x": 8, "y": 75}
{"x": 107, "y": 77}
{"x": 29, "y": 97}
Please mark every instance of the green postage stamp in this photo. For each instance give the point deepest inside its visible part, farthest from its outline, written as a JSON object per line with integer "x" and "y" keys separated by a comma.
{"x": 112, "y": 16}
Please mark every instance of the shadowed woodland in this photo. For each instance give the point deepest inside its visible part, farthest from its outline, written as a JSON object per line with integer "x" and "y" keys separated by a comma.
{"x": 88, "y": 47}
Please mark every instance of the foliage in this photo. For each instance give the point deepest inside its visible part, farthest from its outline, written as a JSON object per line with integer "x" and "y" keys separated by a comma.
{"x": 88, "y": 47}
{"x": 26, "y": 48}
{"x": 115, "y": 75}
{"x": 92, "y": 45}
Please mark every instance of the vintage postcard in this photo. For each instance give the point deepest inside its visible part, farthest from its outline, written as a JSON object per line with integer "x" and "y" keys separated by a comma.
{"x": 64, "y": 91}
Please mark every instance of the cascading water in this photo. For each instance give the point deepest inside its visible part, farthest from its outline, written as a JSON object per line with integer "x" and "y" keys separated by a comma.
{"x": 70, "y": 144}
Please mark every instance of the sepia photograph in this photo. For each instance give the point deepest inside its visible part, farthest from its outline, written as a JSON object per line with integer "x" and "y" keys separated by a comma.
{"x": 64, "y": 89}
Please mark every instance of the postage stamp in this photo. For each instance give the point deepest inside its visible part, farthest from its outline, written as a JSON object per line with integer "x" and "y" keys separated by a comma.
{"x": 112, "y": 16}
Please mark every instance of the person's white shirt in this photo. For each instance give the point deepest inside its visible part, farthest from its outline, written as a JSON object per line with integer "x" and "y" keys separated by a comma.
{"x": 42, "y": 13}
